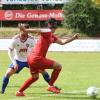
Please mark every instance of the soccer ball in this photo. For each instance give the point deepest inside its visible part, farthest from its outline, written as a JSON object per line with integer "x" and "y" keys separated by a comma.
{"x": 92, "y": 91}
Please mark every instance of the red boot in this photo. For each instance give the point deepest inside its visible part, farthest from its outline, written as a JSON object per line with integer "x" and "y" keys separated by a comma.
{"x": 53, "y": 89}
{"x": 18, "y": 93}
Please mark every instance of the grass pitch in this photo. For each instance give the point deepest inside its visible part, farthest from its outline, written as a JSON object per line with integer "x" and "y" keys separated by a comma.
{"x": 80, "y": 70}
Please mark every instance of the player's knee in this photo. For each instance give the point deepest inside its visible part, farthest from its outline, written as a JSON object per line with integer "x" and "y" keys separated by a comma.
{"x": 15, "y": 69}
{"x": 36, "y": 76}
{"x": 7, "y": 75}
{"x": 9, "y": 72}
{"x": 57, "y": 66}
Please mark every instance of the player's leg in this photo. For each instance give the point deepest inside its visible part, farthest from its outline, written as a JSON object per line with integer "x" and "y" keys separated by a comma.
{"x": 45, "y": 75}
{"x": 34, "y": 76}
{"x": 11, "y": 70}
{"x": 50, "y": 64}
{"x": 56, "y": 71}
{"x": 5, "y": 81}
{"x": 27, "y": 83}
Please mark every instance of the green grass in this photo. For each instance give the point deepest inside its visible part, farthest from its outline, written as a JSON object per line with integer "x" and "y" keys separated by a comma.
{"x": 10, "y": 32}
{"x": 80, "y": 70}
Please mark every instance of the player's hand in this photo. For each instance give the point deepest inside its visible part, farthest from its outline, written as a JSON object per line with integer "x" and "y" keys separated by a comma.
{"x": 76, "y": 36}
{"x": 16, "y": 67}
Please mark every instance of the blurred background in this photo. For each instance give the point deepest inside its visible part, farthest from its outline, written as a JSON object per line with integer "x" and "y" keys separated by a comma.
{"x": 81, "y": 16}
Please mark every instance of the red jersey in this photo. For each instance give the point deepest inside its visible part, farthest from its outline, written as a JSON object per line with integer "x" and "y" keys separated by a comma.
{"x": 45, "y": 40}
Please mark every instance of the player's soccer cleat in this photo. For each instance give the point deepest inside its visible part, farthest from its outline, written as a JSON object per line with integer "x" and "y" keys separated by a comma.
{"x": 54, "y": 89}
{"x": 18, "y": 93}
{"x": 2, "y": 92}
{"x": 58, "y": 87}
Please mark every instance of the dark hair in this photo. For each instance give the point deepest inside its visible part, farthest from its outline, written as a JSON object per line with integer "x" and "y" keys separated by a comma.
{"x": 26, "y": 25}
{"x": 52, "y": 23}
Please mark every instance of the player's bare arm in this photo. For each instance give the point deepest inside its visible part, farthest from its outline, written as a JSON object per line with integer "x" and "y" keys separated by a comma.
{"x": 64, "y": 41}
{"x": 33, "y": 30}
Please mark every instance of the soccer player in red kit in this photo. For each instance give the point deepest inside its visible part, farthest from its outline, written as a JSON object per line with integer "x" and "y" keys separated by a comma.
{"x": 37, "y": 58}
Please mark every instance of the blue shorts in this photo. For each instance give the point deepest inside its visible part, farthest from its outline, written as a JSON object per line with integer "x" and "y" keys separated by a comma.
{"x": 21, "y": 65}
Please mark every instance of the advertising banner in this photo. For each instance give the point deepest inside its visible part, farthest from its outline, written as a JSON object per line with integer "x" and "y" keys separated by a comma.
{"x": 85, "y": 45}
{"x": 33, "y": 1}
{"x": 79, "y": 45}
{"x": 27, "y": 15}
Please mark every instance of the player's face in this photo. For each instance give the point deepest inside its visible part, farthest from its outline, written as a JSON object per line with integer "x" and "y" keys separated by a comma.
{"x": 23, "y": 36}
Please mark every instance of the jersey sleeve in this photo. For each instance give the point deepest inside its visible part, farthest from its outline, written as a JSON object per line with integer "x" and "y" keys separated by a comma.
{"x": 11, "y": 51}
{"x": 55, "y": 38}
{"x": 12, "y": 44}
{"x": 46, "y": 32}
{"x": 11, "y": 56}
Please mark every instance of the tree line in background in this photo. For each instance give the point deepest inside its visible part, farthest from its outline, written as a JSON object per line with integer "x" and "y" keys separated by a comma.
{"x": 83, "y": 16}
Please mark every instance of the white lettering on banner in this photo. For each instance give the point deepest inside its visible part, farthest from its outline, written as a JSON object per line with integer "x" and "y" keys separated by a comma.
{"x": 76, "y": 45}
{"x": 57, "y": 15}
{"x": 30, "y": 14}
{"x": 20, "y": 15}
{"x": 43, "y": 16}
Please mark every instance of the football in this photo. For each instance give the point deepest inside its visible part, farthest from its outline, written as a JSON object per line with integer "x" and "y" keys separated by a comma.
{"x": 92, "y": 91}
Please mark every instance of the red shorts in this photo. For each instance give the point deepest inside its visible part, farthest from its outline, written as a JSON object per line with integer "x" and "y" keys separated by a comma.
{"x": 37, "y": 63}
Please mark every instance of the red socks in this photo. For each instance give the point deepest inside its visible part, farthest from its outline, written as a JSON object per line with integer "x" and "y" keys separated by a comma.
{"x": 54, "y": 76}
{"x": 27, "y": 83}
